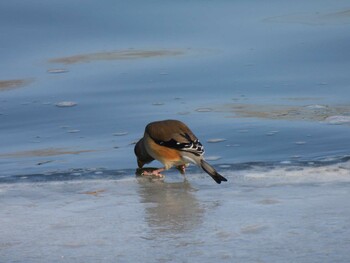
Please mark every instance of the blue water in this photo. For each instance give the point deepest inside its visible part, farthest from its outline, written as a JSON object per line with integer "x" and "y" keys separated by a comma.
{"x": 268, "y": 76}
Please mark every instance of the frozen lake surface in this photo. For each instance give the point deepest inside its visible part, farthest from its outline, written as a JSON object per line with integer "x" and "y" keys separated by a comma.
{"x": 265, "y": 87}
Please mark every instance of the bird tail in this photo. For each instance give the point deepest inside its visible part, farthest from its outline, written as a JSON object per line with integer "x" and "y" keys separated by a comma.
{"x": 212, "y": 172}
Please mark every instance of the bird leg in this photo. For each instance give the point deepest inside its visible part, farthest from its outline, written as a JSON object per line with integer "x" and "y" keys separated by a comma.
{"x": 181, "y": 168}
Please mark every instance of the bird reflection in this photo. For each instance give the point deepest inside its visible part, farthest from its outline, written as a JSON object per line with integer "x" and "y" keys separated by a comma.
{"x": 170, "y": 207}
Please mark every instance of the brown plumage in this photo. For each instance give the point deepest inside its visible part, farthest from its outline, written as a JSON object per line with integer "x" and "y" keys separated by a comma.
{"x": 172, "y": 143}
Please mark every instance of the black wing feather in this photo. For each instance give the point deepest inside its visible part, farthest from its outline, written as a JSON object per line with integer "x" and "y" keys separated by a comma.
{"x": 194, "y": 147}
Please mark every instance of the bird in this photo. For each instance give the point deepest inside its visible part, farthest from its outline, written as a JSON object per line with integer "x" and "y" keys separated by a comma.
{"x": 172, "y": 143}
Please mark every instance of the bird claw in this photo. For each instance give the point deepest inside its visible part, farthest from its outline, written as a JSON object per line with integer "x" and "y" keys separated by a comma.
{"x": 150, "y": 172}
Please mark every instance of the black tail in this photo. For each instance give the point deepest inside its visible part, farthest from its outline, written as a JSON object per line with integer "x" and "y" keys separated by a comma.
{"x": 212, "y": 172}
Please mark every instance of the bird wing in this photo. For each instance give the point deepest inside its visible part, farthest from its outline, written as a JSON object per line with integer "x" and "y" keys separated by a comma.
{"x": 176, "y": 135}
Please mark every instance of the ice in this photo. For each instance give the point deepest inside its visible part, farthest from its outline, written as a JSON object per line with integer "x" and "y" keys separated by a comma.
{"x": 300, "y": 142}
{"x": 312, "y": 173}
{"x": 216, "y": 140}
{"x": 213, "y": 158}
{"x": 57, "y": 70}
{"x": 204, "y": 109}
{"x": 274, "y": 212}
{"x": 316, "y": 107}
{"x": 66, "y": 104}
{"x": 271, "y": 133}
{"x": 339, "y": 119}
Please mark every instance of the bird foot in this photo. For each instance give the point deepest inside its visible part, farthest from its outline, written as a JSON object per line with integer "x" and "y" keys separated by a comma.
{"x": 156, "y": 173}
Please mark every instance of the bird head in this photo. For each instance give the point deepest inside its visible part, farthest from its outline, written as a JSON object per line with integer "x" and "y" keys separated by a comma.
{"x": 141, "y": 153}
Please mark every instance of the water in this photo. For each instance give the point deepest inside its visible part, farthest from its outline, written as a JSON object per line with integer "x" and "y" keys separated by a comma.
{"x": 265, "y": 87}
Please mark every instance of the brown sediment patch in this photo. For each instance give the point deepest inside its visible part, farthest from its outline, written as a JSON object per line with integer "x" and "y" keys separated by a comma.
{"x": 116, "y": 55}
{"x": 315, "y": 18}
{"x": 43, "y": 153}
{"x": 286, "y": 112}
{"x": 14, "y": 83}
{"x": 268, "y": 201}
{"x": 94, "y": 193}
{"x": 9, "y": 244}
{"x": 253, "y": 229}
{"x": 337, "y": 15}
{"x": 302, "y": 98}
